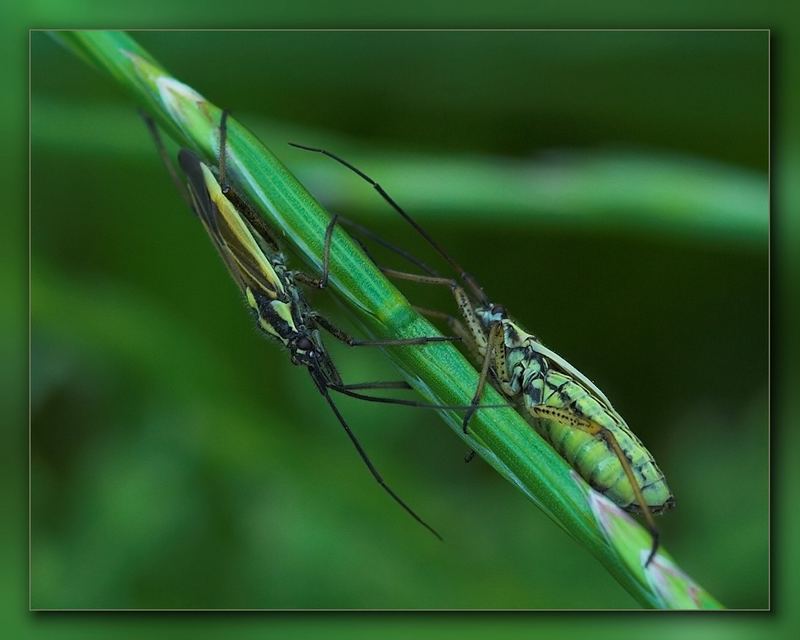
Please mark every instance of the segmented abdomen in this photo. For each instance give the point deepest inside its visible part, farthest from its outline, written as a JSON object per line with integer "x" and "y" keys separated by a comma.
{"x": 588, "y": 454}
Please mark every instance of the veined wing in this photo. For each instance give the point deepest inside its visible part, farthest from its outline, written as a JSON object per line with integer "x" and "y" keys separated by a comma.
{"x": 569, "y": 369}
{"x": 230, "y": 232}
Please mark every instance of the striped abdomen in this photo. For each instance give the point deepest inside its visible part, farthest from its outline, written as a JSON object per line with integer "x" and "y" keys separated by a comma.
{"x": 590, "y": 455}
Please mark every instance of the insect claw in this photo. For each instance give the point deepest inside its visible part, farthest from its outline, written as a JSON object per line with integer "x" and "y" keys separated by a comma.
{"x": 653, "y": 549}
{"x": 465, "y": 421}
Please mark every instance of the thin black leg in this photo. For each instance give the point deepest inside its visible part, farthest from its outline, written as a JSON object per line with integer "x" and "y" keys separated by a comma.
{"x": 398, "y": 384}
{"x": 476, "y": 399}
{"x": 375, "y": 474}
{"x": 347, "y": 391}
{"x": 326, "y": 252}
{"x": 322, "y": 281}
{"x": 456, "y": 326}
{"x": 162, "y": 151}
{"x": 337, "y": 333}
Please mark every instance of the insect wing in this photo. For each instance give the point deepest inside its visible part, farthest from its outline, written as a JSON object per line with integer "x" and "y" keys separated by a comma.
{"x": 570, "y": 370}
{"x": 232, "y": 235}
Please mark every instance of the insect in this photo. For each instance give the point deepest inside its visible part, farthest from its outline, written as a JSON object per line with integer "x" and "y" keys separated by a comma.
{"x": 560, "y": 402}
{"x": 258, "y": 266}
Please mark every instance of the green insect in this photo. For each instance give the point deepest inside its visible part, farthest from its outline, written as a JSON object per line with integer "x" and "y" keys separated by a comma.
{"x": 258, "y": 266}
{"x": 561, "y": 403}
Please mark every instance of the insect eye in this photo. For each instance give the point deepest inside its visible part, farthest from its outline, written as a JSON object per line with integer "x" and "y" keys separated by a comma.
{"x": 499, "y": 309}
{"x": 304, "y": 344}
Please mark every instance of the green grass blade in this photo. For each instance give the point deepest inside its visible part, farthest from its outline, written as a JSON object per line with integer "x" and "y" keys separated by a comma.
{"x": 649, "y": 194}
{"x": 439, "y": 372}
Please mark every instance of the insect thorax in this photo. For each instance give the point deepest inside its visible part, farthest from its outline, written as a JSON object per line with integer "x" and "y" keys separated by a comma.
{"x": 489, "y": 314}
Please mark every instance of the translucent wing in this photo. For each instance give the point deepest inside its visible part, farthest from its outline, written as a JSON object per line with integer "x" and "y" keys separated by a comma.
{"x": 233, "y": 237}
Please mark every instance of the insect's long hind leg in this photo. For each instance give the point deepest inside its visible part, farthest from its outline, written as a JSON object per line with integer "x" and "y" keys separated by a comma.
{"x": 471, "y": 327}
{"x": 326, "y": 251}
{"x": 463, "y": 302}
{"x": 353, "y": 389}
{"x": 162, "y": 152}
{"x": 347, "y": 390}
{"x": 456, "y": 326}
{"x": 493, "y": 342}
{"x": 340, "y": 335}
{"x": 322, "y": 281}
{"x": 375, "y": 474}
{"x": 398, "y": 384}
{"x": 569, "y": 419}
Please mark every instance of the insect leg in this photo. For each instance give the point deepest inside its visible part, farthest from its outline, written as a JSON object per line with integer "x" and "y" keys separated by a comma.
{"x": 375, "y": 474}
{"x": 337, "y": 333}
{"x": 494, "y": 342}
{"x": 591, "y": 427}
{"x": 326, "y": 253}
{"x": 462, "y": 300}
{"x": 479, "y": 340}
{"x": 456, "y": 326}
{"x": 322, "y": 281}
{"x": 162, "y": 151}
{"x": 473, "y": 338}
{"x": 399, "y": 384}
{"x": 351, "y": 390}
{"x": 414, "y": 277}
{"x": 346, "y": 390}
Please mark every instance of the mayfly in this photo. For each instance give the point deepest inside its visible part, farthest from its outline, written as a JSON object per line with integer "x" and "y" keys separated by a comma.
{"x": 560, "y": 402}
{"x": 258, "y": 266}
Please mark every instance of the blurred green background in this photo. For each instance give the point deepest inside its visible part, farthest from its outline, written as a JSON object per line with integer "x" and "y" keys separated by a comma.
{"x": 610, "y": 188}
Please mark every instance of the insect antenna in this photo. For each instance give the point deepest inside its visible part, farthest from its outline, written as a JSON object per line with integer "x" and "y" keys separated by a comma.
{"x": 223, "y": 141}
{"x": 375, "y": 474}
{"x": 467, "y": 278}
{"x": 377, "y": 239}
